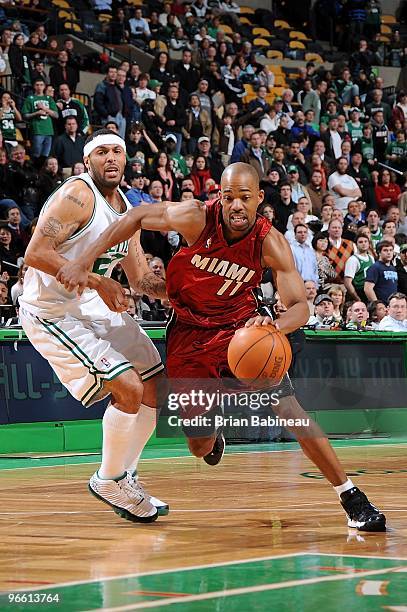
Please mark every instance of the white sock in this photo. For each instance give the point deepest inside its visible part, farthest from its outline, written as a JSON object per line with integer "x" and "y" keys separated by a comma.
{"x": 142, "y": 430}
{"x": 118, "y": 428}
{"x": 346, "y": 486}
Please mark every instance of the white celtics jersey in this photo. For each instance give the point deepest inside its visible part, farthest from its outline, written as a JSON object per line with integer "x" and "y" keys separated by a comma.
{"x": 44, "y": 296}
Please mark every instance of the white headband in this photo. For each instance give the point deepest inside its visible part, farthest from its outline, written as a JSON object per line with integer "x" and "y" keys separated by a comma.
{"x": 100, "y": 141}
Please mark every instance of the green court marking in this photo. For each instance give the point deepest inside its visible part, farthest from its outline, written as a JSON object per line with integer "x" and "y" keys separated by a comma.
{"x": 292, "y": 582}
{"x": 180, "y": 450}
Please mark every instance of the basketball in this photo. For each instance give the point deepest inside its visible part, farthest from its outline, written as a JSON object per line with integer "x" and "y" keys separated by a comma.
{"x": 259, "y": 352}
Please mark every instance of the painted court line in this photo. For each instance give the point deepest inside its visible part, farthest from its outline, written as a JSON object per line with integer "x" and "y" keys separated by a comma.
{"x": 187, "y": 568}
{"x": 244, "y": 590}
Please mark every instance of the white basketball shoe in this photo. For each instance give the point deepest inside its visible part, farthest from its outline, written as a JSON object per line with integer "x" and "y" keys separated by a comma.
{"x": 126, "y": 499}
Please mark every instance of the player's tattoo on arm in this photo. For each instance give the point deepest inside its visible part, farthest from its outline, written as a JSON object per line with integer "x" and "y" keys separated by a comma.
{"x": 58, "y": 232}
{"x": 153, "y": 286}
{"x": 76, "y": 200}
{"x": 52, "y": 227}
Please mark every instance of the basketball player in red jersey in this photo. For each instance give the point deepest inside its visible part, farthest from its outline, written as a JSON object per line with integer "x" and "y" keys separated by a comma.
{"x": 210, "y": 283}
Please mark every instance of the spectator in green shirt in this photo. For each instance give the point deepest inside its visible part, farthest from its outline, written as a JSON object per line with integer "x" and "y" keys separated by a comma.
{"x": 9, "y": 114}
{"x": 39, "y": 110}
{"x": 396, "y": 152}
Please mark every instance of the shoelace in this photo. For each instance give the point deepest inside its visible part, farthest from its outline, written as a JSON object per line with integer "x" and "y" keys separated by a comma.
{"x": 135, "y": 492}
{"x": 361, "y": 505}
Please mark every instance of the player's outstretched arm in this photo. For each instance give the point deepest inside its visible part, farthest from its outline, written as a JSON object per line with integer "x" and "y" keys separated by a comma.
{"x": 139, "y": 275}
{"x": 187, "y": 218}
{"x": 277, "y": 256}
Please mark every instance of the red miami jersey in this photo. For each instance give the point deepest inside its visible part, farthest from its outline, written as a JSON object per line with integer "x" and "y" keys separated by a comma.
{"x": 210, "y": 284}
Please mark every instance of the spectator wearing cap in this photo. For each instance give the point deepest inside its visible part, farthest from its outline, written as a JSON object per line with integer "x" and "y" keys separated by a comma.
{"x": 343, "y": 187}
{"x": 339, "y": 248}
{"x": 214, "y": 163}
{"x": 381, "y": 277}
{"x": 256, "y": 157}
{"x": 354, "y": 125}
{"x": 401, "y": 267}
{"x": 68, "y": 147}
{"x": 396, "y": 318}
{"x": 198, "y": 123}
{"x": 332, "y": 138}
{"x": 297, "y": 190}
{"x": 304, "y": 255}
{"x": 180, "y": 167}
{"x": 136, "y": 195}
{"x": 324, "y": 311}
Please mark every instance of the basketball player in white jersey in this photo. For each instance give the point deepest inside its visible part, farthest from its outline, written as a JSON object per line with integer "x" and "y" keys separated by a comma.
{"x": 94, "y": 351}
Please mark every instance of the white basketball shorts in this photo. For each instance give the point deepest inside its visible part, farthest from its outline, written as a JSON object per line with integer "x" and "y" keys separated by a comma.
{"x": 84, "y": 353}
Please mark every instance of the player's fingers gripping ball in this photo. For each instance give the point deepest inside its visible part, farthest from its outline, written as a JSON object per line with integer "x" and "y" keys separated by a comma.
{"x": 256, "y": 353}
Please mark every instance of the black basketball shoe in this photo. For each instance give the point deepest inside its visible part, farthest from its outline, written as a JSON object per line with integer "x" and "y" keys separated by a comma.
{"x": 216, "y": 453}
{"x": 362, "y": 515}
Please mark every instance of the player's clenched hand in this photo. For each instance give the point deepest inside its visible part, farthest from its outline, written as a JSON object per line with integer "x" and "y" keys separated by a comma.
{"x": 259, "y": 320}
{"x": 112, "y": 293}
{"x": 74, "y": 276}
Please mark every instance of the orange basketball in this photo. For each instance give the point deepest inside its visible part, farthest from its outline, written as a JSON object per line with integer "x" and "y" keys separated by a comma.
{"x": 259, "y": 352}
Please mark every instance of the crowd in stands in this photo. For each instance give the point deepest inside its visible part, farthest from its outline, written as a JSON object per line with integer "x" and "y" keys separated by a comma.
{"x": 330, "y": 152}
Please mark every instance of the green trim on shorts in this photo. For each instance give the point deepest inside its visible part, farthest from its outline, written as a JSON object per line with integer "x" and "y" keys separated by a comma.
{"x": 92, "y": 364}
{"x": 72, "y": 342}
{"x": 85, "y": 399}
{"x": 128, "y": 367}
{"x": 97, "y": 383}
{"x": 153, "y": 374}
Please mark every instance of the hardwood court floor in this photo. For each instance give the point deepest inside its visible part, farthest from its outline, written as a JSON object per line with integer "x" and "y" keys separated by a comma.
{"x": 260, "y": 531}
